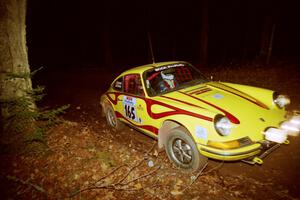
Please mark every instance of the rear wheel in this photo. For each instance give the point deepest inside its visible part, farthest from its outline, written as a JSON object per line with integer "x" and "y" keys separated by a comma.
{"x": 182, "y": 150}
{"x": 112, "y": 119}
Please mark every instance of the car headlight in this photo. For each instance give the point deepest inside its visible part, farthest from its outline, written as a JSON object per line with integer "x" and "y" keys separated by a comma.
{"x": 281, "y": 100}
{"x": 222, "y": 125}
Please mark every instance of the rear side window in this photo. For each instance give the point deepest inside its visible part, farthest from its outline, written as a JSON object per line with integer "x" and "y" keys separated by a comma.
{"x": 133, "y": 85}
{"x": 118, "y": 84}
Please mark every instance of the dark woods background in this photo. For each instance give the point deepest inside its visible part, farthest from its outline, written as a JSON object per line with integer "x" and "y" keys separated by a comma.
{"x": 116, "y": 33}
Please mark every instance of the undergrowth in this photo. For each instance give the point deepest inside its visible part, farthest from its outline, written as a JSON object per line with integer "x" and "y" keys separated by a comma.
{"x": 25, "y": 124}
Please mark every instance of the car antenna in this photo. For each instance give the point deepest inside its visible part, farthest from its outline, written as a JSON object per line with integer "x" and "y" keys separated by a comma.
{"x": 150, "y": 46}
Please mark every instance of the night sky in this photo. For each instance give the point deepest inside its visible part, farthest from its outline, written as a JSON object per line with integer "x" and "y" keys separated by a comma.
{"x": 115, "y": 33}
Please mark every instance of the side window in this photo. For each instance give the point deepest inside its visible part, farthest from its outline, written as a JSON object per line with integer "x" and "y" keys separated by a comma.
{"x": 118, "y": 84}
{"x": 133, "y": 84}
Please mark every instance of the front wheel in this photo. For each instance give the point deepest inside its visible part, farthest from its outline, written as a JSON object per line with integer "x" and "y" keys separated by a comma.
{"x": 112, "y": 119}
{"x": 182, "y": 150}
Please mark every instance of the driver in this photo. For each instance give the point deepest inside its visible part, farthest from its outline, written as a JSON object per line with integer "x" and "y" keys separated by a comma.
{"x": 168, "y": 82}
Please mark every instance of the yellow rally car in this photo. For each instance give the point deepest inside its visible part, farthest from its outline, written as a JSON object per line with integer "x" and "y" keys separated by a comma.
{"x": 194, "y": 118}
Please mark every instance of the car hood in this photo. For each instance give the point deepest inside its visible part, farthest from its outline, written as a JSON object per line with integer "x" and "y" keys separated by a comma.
{"x": 219, "y": 98}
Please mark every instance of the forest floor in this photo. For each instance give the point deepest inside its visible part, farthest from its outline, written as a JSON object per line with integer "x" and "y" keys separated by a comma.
{"x": 84, "y": 159}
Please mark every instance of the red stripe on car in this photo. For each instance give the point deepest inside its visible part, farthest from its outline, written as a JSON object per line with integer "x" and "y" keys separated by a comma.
{"x": 175, "y": 111}
{"x": 202, "y": 91}
{"x": 232, "y": 118}
{"x": 184, "y": 102}
{"x": 151, "y": 102}
{"x": 256, "y": 102}
{"x": 197, "y": 88}
{"x": 146, "y": 127}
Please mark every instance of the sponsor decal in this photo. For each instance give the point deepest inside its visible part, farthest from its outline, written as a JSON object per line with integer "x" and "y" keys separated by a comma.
{"x": 118, "y": 84}
{"x": 218, "y": 96}
{"x": 201, "y": 132}
{"x": 139, "y": 107}
{"x": 168, "y": 66}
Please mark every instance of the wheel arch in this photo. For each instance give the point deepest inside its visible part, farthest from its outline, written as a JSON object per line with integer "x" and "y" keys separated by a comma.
{"x": 165, "y": 130}
{"x": 104, "y": 104}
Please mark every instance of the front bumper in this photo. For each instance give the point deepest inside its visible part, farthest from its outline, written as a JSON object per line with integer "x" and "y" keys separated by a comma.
{"x": 230, "y": 154}
{"x": 250, "y": 154}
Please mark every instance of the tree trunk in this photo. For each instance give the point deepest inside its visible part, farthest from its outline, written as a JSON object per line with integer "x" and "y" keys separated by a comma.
{"x": 15, "y": 78}
{"x": 267, "y": 36}
{"x": 270, "y": 47}
{"x": 107, "y": 48}
{"x": 106, "y": 39}
{"x": 204, "y": 34}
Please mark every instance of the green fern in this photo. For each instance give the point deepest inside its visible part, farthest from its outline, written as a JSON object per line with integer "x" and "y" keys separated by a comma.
{"x": 23, "y": 117}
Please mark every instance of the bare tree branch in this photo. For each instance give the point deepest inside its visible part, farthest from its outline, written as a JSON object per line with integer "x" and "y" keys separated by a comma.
{"x": 119, "y": 185}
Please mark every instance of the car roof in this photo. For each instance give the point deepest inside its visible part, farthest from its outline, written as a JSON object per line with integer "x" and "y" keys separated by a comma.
{"x": 141, "y": 69}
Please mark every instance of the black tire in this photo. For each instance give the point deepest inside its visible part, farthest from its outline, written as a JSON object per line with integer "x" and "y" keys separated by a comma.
{"x": 112, "y": 119}
{"x": 182, "y": 150}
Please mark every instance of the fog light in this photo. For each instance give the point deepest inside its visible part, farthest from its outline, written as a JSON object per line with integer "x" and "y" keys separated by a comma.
{"x": 295, "y": 120}
{"x": 276, "y": 135}
{"x": 291, "y": 128}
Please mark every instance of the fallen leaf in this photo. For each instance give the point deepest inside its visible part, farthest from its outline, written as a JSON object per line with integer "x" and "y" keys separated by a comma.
{"x": 108, "y": 196}
{"x": 76, "y": 176}
{"x": 138, "y": 186}
{"x": 95, "y": 177}
{"x": 176, "y": 192}
{"x": 103, "y": 166}
{"x": 155, "y": 153}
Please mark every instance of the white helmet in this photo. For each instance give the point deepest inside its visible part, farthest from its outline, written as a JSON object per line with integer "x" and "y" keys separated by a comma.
{"x": 167, "y": 77}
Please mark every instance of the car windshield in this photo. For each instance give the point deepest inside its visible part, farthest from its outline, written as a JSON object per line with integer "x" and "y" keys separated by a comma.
{"x": 171, "y": 77}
